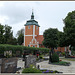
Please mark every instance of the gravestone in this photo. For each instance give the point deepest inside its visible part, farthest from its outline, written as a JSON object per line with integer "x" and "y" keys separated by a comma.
{"x": 18, "y": 53}
{"x": 50, "y": 57}
{"x": 8, "y": 53}
{"x": 0, "y": 64}
{"x": 30, "y": 60}
{"x": 8, "y": 65}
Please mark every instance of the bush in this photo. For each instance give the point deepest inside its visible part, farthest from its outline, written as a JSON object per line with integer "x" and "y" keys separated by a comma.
{"x": 63, "y": 53}
{"x": 55, "y": 57}
{"x": 14, "y": 48}
{"x": 73, "y": 52}
{"x": 41, "y": 56}
{"x": 31, "y": 70}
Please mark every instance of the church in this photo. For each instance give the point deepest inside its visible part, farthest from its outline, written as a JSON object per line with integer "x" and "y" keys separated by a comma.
{"x": 32, "y": 37}
{"x": 31, "y": 33}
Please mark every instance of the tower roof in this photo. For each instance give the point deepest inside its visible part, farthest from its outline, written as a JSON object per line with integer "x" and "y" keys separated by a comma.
{"x": 32, "y": 16}
{"x": 32, "y": 21}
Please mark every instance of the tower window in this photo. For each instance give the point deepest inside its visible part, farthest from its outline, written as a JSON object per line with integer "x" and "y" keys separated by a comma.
{"x": 28, "y": 27}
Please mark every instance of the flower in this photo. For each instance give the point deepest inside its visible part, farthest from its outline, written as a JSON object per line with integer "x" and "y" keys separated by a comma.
{"x": 51, "y": 71}
{"x": 60, "y": 60}
{"x": 47, "y": 71}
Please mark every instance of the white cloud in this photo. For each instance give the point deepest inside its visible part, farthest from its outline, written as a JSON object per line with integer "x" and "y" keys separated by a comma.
{"x": 47, "y": 13}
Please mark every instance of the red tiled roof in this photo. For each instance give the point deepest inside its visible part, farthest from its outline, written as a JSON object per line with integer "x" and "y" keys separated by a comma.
{"x": 39, "y": 38}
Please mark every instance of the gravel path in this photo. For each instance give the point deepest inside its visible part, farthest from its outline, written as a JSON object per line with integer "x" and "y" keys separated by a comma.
{"x": 45, "y": 65}
{"x": 64, "y": 69}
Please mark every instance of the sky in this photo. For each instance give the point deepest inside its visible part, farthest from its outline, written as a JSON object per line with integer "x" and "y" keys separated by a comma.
{"x": 49, "y": 14}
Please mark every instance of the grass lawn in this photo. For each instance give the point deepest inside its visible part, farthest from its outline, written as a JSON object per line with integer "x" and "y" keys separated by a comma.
{"x": 62, "y": 63}
{"x": 68, "y": 59}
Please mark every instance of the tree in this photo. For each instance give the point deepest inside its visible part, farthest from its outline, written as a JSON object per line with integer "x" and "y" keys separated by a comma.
{"x": 20, "y": 36}
{"x": 69, "y": 29}
{"x": 61, "y": 41}
{"x": 1, "y": 34}
{"x": 8, "y": 35}
{"x": 50, "y": 38}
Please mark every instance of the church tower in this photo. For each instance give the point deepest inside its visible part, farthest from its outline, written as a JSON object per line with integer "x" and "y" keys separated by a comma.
{"x": 31, "y": 31}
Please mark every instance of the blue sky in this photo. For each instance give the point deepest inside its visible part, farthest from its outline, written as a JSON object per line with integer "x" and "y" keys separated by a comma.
{"x": 49, "y": 14}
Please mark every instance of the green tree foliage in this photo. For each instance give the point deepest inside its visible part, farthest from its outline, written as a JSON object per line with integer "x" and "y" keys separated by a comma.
{"x": 20, "y": 36}
{"x": 61, "y": 38}
{"x": 1, "y": 34}
{"x": 14, "y": 48}
{"x": 55, "y": 57}
{"x": 8, "y": 34}
{"x": 50, "y": 38}
{"x": 69, "y": 29}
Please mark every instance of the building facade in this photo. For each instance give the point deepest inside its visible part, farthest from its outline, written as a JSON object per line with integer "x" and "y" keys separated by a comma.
{"x": 31, "y": 35}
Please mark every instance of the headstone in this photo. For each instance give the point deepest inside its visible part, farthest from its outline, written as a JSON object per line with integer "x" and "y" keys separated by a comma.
{"x": 8, "y": 65}
{"x": 17, "y": 53}
{"x": 0, "y": 64}
{"x": 50, "y": 54}
{"x": 8, "y": 53}
{"x": 70, "y": 52}
{"x": 38, "y": 66}
{"x": 30, "y": 60}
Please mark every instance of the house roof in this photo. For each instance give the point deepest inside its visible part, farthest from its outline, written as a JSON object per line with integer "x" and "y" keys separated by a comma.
{"x": 39, "y": 38}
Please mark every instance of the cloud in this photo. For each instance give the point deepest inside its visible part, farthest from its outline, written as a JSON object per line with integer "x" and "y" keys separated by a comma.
{"x": 49, "y": 14}
{"x": 16, "y": 11}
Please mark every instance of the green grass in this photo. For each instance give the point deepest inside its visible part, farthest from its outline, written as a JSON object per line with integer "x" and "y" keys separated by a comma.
{"x": 68, "y": 59}
{"x": 61, "y": 63}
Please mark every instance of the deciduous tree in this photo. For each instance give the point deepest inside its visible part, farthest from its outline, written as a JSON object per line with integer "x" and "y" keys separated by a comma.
{"x": 69, "y": 29}
{"x": 50, "y": 38}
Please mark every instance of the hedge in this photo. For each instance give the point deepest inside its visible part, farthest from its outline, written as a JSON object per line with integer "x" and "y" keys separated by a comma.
{"x": 14, "y": 48}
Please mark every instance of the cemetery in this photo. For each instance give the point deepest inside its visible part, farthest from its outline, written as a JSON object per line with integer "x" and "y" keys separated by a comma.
{"x": 33, "y": 59}
{"x": 30, "y": 52}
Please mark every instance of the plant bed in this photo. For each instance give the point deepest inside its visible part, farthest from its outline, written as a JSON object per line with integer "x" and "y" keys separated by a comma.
{"x": 61, "y": 63}
{"x": 70, "y": 57}
{"x": 35, "y": 70}
{"x": 50, "y": 71}
{"x": 31, "y": 70}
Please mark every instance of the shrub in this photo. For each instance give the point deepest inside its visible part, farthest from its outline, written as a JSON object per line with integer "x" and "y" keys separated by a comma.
{"x": 63, "y": 53}
{"x": 14, "y": 48}
{"x": 55, "y": 57}
{"x": 73, "y": 52}
{"x": 41, "y": 56}
{"x": 31, "y": 70}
